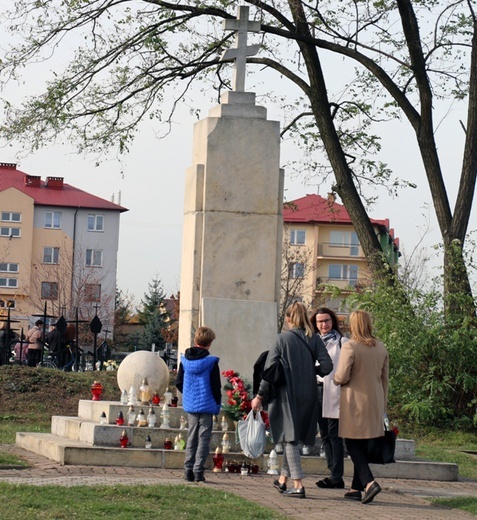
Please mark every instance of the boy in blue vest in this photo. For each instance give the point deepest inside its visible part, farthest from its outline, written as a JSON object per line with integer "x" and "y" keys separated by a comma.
{"x": 198, "y": 379}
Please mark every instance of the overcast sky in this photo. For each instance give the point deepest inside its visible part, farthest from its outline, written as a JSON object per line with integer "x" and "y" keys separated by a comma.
{"x": 152, "y": 188}
{"x": 151, "y": 183}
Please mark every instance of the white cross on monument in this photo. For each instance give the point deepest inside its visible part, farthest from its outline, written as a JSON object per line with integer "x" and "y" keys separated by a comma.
{"x": 240, "y": 52}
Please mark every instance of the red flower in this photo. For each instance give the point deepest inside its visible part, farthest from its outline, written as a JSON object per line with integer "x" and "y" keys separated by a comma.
{"x": 239, "y": 397}
{"x": 265, "y": 418}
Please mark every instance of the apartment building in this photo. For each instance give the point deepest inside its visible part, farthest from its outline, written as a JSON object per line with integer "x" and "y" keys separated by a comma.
{"x": 323, "y": 248}
{"x": 59, "y": 246}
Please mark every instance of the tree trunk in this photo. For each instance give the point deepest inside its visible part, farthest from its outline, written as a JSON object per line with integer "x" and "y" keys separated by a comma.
{"x": 458, "y": 300}
{"x": 345, "y": 185}
{"x": 457, "y": 289}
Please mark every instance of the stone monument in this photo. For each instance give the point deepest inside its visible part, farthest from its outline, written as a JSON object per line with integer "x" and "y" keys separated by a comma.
{"x": 231, "y": 252}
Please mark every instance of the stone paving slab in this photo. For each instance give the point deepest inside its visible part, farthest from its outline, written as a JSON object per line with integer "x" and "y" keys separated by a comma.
{"x": 400, "y": 499}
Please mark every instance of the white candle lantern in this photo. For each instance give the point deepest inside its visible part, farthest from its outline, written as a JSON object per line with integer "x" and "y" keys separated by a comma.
{"x": 124, "y": 397}
{"x": 165, "y": 416}
{"x": 182, "y": 423}
{"x": 225, "y": 443}
{"x": 132, "y": 396}
{"x": 145, "y": 392}
{"x": 272, "y": 463}
{"x": 151, "y": 418}
{"x": 141, "y": 418}
{"x": 131, "y": 416}
{"x": 168, "y": 397}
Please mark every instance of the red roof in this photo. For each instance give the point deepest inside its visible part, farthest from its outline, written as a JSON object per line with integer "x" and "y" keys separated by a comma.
{"x": 53, "y": 192}
{"x": 313, "y": 208}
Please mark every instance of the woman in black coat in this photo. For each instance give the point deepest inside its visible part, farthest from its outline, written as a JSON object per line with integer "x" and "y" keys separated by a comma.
{"x": 293, "y": 411}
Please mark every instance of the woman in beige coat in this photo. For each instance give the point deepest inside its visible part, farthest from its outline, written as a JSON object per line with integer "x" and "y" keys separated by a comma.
{"x": 362, "y": 372}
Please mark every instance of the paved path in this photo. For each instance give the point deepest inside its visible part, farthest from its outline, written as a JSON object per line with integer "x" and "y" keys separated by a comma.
{"x": 400, "y": 499}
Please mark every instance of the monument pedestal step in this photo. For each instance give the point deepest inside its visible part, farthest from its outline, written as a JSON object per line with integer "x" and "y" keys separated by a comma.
{"x": 75, "y": 452}
{"x": 86, "y": 428}
{"x": 83, "y": 440}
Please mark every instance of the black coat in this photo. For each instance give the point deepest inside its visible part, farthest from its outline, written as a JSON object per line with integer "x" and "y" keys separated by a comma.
{"x": 294, "y": 411}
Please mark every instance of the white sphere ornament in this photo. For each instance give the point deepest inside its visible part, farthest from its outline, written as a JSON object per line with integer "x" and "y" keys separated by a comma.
{"x": 143, "y": 364}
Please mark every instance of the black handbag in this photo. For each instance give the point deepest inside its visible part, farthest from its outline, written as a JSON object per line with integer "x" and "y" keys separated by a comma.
{"x": 274, "y": 374}
{"x": 381, "y": 449}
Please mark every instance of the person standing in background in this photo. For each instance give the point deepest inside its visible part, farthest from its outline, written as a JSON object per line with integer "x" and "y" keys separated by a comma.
{"x": 325, "y": 322}
{"x": 6, "y": 339}
{"x": 363, "y": 372}
{"x": 54, "y": 341}
{"x": 34, "y": 338}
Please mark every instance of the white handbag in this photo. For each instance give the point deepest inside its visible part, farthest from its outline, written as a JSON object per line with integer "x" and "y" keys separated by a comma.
{"x": 252, "y": 436}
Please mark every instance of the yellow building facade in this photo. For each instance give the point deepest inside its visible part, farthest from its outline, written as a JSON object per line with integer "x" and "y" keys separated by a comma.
{"x": 58, "y": 246}
{"x": 321, "y": 249}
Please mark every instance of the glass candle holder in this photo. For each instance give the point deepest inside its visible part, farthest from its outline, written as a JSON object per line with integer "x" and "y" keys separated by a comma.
{"x": 131, "y": 416}
{"x": 224, "y": 424}
{"x": 141, "y": 418}
{"x": 182, "y": 423}
{"x": 156, "y": 399}
{"x": 218, "y": 459}
{"x": 151, "y": 418}
{"x": 124, "y": 397}
{"x": 124, "y": 439}
{"x": 145, "y": 393}
{"x": 96, "y": 391}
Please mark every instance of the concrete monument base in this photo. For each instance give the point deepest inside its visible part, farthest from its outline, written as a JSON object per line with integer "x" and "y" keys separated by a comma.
{"x": 83, "y": 440}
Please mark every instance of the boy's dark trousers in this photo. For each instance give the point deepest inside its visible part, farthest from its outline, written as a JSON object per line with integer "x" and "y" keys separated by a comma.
{"x": 198, "y": 442}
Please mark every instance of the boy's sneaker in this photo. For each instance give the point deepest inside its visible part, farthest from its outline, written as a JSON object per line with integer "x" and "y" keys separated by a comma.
{"x": 189, "y": 475}
{"x": 199, "y": 477}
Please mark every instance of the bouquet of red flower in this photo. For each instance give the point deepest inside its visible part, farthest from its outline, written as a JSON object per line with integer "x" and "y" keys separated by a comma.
{"x": 239, "y": 398}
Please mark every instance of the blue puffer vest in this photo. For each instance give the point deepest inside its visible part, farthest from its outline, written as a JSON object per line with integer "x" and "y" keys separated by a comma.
{"x": 197, "y": 395}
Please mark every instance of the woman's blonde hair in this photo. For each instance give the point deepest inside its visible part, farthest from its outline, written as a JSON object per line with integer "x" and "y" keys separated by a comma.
{"x": 361, "y": 328}
{"x": 298, "y": 318}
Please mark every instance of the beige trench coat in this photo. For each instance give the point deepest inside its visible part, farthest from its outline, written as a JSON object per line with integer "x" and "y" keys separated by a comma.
{"x": 363, "y": 375}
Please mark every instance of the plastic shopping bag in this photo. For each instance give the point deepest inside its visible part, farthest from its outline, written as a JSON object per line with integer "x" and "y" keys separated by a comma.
{"x": 252, "y": 435}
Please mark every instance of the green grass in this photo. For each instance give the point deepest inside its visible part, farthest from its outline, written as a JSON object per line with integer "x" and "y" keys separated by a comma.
{"x": 9, "y": 426}
{"x": 468, "y": 504}
{"x": 126, "y": 503}
{"x": 6, "y": 460}
{"x": 449, "y": 446}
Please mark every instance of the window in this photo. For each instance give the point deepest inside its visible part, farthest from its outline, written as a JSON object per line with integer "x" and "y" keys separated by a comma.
{"x": 7, "y": 303}
{"x": 95, "y": 223}
{"x": 92, "y": 292}
{"x": 49, "y": 290}
{"x": 297, "y": 237}
{"x": 53, "y": 219}
{"x": 345, "y": 239}
{"x": 8, "y": 267}
{"x": 297, "y": 270}
{"x": 348, "y": 273}
{"x": 8, "y": 216}
{"x": 9, "y": 282}
{"x": 51, "y": 255}
{"x": 10, "y": 232}
{"x": 94, "y": 257}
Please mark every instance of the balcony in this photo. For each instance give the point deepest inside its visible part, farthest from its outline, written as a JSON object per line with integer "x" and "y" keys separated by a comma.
{"x": 331, "y": 250}
{"x": 340, "y": 283}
